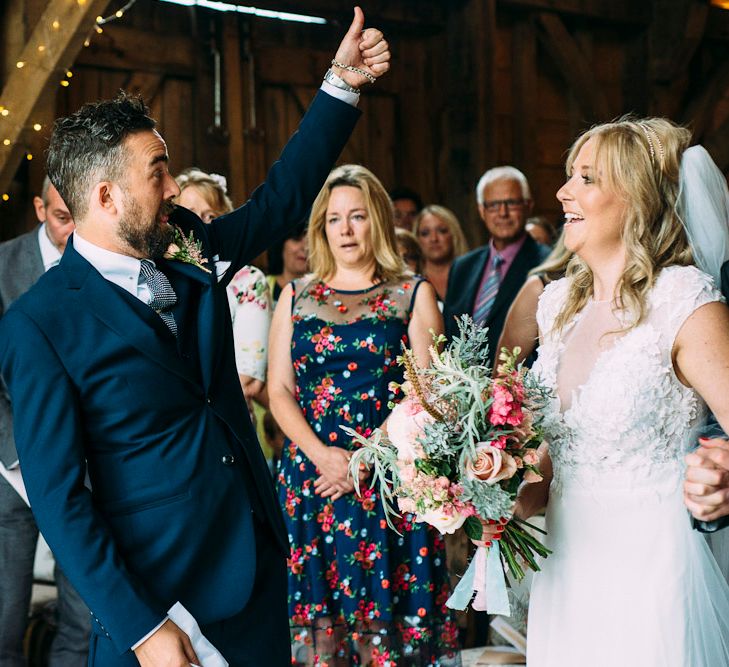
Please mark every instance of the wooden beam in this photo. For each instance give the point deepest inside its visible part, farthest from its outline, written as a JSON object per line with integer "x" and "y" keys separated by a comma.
{"x": 128, "y": 48}
{"x": 524, "y": 94}
{"x": 699, "y": 111}
{"x": 717, "y": 143}
{"x": 233, "y": 86}
{"x": 60, "y": 32}
{"x": 634, "y": 12}
{"x": 675, "y": 34}
{"x": 573, "y": 65}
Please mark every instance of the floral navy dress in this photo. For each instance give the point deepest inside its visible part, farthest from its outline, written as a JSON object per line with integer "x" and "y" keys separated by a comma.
{"x": 347, "y": 568}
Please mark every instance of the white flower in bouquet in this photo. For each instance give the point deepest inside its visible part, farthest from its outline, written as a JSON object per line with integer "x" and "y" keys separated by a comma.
{"x": 442, "y": 520}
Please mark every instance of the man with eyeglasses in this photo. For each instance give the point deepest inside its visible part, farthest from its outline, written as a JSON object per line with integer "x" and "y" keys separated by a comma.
{"x": 484, "y": 282}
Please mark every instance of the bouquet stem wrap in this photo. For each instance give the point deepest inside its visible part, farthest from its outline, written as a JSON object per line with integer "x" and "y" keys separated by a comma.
{"x": 484, "y": 577}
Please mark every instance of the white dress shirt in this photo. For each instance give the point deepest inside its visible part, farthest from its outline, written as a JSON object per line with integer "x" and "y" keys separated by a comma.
{"x": 49, "y": 253}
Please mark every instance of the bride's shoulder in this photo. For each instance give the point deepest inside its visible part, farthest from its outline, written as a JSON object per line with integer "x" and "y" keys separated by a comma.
{"x": 677, "y": 284}
{"x": 551, "y": 302}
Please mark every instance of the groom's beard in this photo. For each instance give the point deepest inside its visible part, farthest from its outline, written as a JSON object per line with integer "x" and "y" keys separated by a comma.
{"x": 150, "y": 239}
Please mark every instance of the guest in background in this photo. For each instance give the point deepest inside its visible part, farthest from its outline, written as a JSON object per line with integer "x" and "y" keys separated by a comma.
{"x": 407, "y": 204}
{"x": 520, "y": 328}
{"x": 441, "y": 238}
{"x": 541, "y": 230}
{"x": 248, "y": 296}
{"x": 22, "y": 261}
{"x": 287, "y": 261}
{"x": 353, "y": 583}
{"x": 484, "y": 282}
{"x": 409, "y": 249}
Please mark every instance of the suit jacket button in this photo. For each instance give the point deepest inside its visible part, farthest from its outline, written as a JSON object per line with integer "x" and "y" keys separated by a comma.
{"x": 228, "y": 460}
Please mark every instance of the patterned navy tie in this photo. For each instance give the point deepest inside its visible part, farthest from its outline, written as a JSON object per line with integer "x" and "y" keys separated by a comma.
{"x": 487, "y": 295}
{"x": 163, "y": 296}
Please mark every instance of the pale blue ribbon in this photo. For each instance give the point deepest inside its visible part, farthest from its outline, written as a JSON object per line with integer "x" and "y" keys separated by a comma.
{"x": 496, "y": 595}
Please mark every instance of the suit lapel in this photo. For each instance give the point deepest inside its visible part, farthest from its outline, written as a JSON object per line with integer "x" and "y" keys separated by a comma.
{"x": 205, "y": 304}
{"x": 123, "y": 313}
{"x": 514, "y": 278}
{"x": 473, "y": 281}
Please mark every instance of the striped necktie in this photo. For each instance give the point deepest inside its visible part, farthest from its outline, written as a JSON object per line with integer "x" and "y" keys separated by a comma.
{"x": 489, "y": 290}
{"x": 163, "y": 296}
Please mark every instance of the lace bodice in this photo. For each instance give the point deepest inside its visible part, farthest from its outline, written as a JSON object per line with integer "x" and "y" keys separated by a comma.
{"x": 631, "y": 420}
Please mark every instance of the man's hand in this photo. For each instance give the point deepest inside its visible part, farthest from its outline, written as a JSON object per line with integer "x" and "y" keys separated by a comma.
{"x": 168, "y": 647}
{"x": 365, "y": 49}
{"x": 706, "y": 489}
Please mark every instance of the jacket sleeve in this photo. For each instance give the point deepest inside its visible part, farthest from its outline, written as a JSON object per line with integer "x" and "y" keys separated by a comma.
{"x": 50, "y": 440}
{"x": 291, "y": 186}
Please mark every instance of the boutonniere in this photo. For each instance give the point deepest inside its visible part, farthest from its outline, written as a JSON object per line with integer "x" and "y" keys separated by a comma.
{"x": 186, "y": 249}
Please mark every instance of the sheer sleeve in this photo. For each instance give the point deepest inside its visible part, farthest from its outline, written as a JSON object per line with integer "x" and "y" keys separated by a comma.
{"x": 250, "y": 309}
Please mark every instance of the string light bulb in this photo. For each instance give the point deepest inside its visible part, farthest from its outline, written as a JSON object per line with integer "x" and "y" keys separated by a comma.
{"x": 69, "y": 73}
{"x": 6, "y": 196}
{"x": 65, "y": 83}
{"x": 99, "y": 29}
{"x": 119, "y": 14}
{"x": 6, "y": 142}
{"x": 4, "y": 112}
{"x": 29, "y": 156}
{"x": 20, "y": 64}
{"x": 37, "y": 127}
{"x": 56, "y": 25}
{"x": 41, "y": 48}
{"x": 87, "y": 42}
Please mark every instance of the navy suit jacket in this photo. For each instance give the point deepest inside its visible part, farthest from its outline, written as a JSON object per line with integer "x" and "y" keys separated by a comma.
{"x": 162, "y": 429}
{"x": 464, "y": 280}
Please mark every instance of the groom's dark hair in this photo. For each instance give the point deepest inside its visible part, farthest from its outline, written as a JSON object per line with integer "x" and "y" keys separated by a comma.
{"x": 88, "y": 147}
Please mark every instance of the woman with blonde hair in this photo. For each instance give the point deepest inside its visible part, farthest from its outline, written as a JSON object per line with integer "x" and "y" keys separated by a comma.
{"x": 634, "y": 343}
{"x": 441, "y": 238}
{"x": 354, "y": 585}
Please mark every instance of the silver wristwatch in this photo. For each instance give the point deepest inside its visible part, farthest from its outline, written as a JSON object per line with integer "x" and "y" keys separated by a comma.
{"x": 339, "y": 82}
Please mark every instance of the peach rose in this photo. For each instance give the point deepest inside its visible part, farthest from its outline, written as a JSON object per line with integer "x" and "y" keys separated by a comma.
{"x": 405, "y": 425}
{"x": 491, "y": 464}
{"x": 406, "y": 505}
{"x": 530, "y": 477}
{"x": 171, "y": 251}
{"x": 531, "y": 458}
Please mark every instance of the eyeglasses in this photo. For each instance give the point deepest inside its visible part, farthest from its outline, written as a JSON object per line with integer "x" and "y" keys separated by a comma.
{"x": 496, "y": 204}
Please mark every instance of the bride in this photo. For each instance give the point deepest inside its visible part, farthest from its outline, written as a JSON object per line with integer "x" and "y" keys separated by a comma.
{"x": 634, "y": 343}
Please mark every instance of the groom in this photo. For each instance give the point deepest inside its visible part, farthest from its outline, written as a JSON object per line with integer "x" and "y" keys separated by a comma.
{"x": 140, "y": 461}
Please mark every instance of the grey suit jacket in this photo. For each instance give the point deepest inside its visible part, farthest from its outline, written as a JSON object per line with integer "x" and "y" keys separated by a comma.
{"x": 21, "y": 265}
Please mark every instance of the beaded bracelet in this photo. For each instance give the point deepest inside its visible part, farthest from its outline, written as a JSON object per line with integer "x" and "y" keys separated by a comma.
{"x": 352, "y": 68}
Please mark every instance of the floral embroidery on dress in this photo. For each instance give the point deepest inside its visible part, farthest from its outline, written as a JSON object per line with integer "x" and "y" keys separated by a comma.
{"x": 643, "y": 431}
{"x": 348, "y": 570}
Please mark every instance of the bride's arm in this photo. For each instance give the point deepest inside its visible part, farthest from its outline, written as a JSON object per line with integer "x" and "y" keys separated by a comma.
{"x": 701, "y": 361}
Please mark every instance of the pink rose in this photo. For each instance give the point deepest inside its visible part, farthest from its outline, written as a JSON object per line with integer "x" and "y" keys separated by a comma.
{"x": 405, "y": 425}
{"x": 531, "y": 458}
{"x": 407, "y": 473}
{"x": 530, "y": 477}
{"x": 406, "y": 505}
{"x": 171, "y": 251}
{"x": 491, "y": 464}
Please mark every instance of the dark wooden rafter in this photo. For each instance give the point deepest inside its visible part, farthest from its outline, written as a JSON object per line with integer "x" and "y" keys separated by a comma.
{"x": 717, "y": 143}
{"x": 699, "y": 111}
{"x": 573, "y": 64}
{"x": 524, "y": 92}
{"x": 146, "y": 84}
{"x": 27, "y": 87}
{"x": 631, "y": 12}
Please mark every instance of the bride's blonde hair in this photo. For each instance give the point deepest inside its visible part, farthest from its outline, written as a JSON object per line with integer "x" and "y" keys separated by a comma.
{"x": 639, "y": 160}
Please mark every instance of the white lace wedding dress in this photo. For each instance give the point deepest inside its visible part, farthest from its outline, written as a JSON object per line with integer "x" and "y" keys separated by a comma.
{"x": 629, "y": 583}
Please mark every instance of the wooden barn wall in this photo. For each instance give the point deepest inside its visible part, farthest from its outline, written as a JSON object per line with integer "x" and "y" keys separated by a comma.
{"x": 490, "y": 86}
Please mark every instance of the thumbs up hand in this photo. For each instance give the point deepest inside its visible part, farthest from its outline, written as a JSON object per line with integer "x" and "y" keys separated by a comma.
{"x": 365, "y": 49}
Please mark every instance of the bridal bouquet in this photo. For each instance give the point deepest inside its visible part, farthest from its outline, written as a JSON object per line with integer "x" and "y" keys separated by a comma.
{"x": 457, "y": 447}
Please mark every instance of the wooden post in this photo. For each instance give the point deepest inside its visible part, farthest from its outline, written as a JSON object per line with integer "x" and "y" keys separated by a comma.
{"x": 524, "y": 93}
{"x": 233, "y": 82}
{"x": 53, "y": 45}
